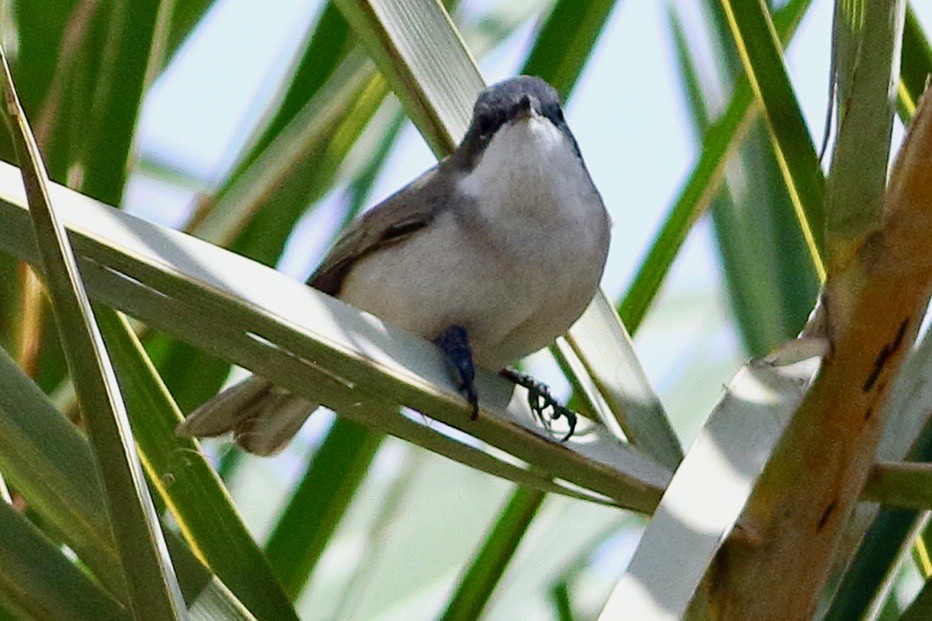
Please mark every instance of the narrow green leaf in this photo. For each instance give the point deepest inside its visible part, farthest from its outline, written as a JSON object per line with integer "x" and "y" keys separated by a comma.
{"x": 36, "y": 576}
{"x": 770, "y": 278}
{"x": 915, "y": 64}
{"x": 422, "y": 56}
{"x": 857, "y": 180}
{"x": 562, "y": 601}
{"x": 901, "y": 484}
{"x": 753, "y": 312}
{"x": 137, "y": 33}
{"x": 327, "y": 45}
{"x": 919, "y": 609}
{"x": 718, "y": 144}
{"x": 50, "y": 463}
{"x": 185, "y": 481}
{"x": 566, "y": 41}
{"x": 46, "y": 52}
{"x": 760, "y": 52}
{"x": 319, "y": 502}
{"x": 486, "y": 569}
{"x": 150, "y": 576}
{"x": 53, "y": 466}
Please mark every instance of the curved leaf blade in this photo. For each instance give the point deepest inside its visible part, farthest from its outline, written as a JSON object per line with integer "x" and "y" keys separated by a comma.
{"x": 566, "y": 41}
{"x": 760, "y": 52}
{"x": 477, "y": 585}
{"x": 150, "y": 576}
{"x": 719, "y": 142}
{"x": 186, "y": 482}
{"x": 37, "y": 577}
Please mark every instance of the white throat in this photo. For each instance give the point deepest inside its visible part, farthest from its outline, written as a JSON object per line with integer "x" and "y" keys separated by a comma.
{"x": 529, "y": 168}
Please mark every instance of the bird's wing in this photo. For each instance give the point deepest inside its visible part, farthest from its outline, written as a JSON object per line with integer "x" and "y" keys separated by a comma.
{"x": 397, "y": 218}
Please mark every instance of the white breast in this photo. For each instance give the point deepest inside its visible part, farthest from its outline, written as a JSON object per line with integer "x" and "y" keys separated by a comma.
{"x": 515, "y": 265}
{"x": 540, "y": 210}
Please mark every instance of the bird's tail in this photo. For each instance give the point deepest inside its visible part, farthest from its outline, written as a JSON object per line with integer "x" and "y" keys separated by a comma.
{"x": 262, "y": 417}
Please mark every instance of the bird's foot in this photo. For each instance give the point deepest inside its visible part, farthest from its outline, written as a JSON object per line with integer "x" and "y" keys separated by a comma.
{"x": 454, "y": 341}
{"x": 540, "y": 400}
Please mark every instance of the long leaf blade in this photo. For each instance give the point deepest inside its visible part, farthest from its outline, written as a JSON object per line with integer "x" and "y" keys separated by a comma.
{"x": 760, "y": 52}
{"x": 423, "y": 57}
{"x": 186, "y": 482}
{"x": 319, "y": 502}
{"x": 53, "y": 467}
{"x": 477, "y": 584}
{"x": 41, "y": 581}
{"x": 152, "y": 583}
{"x": 720, "y": 140}
{"x": 57, "y": 476}
{"x": 566, "y": 41}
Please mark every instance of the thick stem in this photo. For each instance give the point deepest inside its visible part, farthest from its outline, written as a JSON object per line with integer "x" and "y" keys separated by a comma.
{"x": 875, "y": 303}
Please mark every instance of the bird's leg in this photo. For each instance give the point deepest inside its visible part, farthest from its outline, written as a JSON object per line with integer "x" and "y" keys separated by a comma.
{"x": 454, "y": 341}
{"x": 539, "y": 399}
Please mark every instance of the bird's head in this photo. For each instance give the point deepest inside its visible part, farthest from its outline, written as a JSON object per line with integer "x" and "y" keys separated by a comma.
{"x": 519, "y": 110}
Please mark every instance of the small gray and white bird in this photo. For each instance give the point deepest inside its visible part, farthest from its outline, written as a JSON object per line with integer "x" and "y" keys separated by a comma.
{"x": 492, "y": 254}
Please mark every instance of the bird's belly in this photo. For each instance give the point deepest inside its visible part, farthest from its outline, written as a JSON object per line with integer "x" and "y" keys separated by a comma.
{"x": 513, "y": 294}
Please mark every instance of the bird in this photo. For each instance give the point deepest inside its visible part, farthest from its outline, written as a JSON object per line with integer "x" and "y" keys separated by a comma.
{"x": 491, "y": 254}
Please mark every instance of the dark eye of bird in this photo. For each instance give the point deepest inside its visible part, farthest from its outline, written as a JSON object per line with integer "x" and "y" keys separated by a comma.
{"x": 486, "y": 125}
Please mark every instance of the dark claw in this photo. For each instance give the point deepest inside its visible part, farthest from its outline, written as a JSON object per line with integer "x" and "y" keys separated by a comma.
{"x": 455, "y": 344}
{"x": 570, "y": 415}
{"x": 539, "y": 399}
{"x": 472, "y": 395}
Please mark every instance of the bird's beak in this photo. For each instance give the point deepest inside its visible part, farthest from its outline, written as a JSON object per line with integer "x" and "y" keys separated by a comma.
{"x": 528, "y": 108}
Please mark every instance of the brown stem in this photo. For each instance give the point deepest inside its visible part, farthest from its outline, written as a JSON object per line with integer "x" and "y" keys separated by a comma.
{"x": 875, "y": 302}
